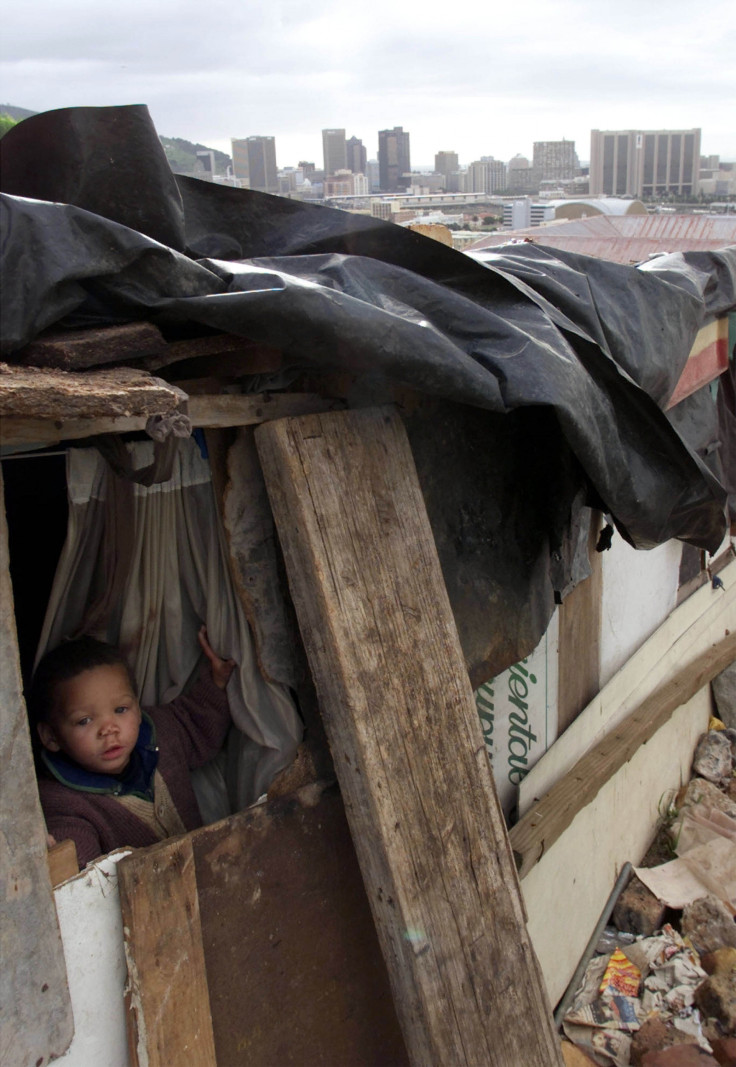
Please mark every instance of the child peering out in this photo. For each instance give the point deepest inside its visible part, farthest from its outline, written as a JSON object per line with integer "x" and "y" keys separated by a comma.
{"x": 112, "y": 773}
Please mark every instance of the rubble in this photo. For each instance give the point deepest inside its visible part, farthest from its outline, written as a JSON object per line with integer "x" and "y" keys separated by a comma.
{"x": 724, "y": 693}
{"x": 638, "y": 910}
{"x": 713, "y": 758}
{"x": 709, "y": 925}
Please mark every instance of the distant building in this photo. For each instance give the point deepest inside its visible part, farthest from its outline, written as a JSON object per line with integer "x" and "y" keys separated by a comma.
{"x": 520, "y": 214}
{"x": 372, "y": 173}
{"x": 485, "y": 175}
{"x": 446, "y": 163}
{"x": 556, "y": 160}
{"x": 521, "y": 176}
{"x": 394, "y": 160}
{"x": 206, "y": 160}
{"x": 644, "y": 163}
{"x": 307, "y": 168}
{"x": 254, "y": 163}
{"x": 357, "y": 157}
{"x": 334, "y": 151}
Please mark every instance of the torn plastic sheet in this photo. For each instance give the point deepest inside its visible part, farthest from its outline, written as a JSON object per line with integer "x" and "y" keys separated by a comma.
{"x": 527, "y": 328}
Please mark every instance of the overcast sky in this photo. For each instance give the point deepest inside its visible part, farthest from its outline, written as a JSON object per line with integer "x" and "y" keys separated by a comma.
{"x": 480, "y": 77}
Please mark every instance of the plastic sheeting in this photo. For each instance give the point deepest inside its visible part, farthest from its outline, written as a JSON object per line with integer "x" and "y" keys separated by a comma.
{"x": 596, "y": 346}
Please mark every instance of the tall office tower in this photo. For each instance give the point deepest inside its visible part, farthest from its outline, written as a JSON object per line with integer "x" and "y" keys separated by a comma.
{"x": 254, "y": 162}
{"x": 521, "y": 176}
{"x": 644, "y": 162}
{"x": 356, "y": 155}
{"x": 485, "y": 175}
{"x": 556, "y": 160}
{"x": 394, "y": 159}
{"x": 334, "y": 151}
{"x": 446, "y": 163}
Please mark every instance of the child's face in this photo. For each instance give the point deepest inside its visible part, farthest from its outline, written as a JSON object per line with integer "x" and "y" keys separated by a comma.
{"x": 95, "y": 720}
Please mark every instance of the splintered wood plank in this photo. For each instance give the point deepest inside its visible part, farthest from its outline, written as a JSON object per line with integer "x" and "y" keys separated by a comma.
{"x": 169, "y": 1017}
{"x": 544, "y": 823}
{"x": 580, "y": 640}
{"x": 406, "y": 740}
{"x": 36, "y": 1023}
{"x": 63, "y": 862}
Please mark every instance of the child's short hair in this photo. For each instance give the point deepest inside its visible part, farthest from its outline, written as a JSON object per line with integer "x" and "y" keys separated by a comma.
{"x": 66, "y": 661}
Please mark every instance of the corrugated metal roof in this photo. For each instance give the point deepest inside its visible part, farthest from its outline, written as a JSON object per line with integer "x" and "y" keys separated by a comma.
{"x": 627, "y": 238}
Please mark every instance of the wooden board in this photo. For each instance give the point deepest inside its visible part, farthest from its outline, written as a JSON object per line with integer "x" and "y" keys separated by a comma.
{"x": 169, "y": 1016}
{"x": 536, "y": 832}
{"x": 695, "y": 625}
{"x": 58, "y": 424}
{"x": 257, "y": 576}
{"x": 579, "y": 640}
{"x": 62, "y": 860}
{"x": 406, "y": 740}
{"x": 36, "y": 1021}
{"x": 567, "y": 890}
{"x": 294, "y": 969}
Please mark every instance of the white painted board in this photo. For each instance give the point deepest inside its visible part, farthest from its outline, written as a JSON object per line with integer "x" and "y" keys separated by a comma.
{"x": 88, "y": 907}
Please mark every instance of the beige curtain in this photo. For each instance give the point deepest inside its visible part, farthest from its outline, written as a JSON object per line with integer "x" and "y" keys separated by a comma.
{"x": 143, "y": 567}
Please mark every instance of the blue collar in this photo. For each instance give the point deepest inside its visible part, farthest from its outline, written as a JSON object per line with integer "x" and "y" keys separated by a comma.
{"x": 136, "y": 779}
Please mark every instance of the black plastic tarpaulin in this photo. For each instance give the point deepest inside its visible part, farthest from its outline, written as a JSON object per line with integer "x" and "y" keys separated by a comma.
{"x": 97, "y": 229}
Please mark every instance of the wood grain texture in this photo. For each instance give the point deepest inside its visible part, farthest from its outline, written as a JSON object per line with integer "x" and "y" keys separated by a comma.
{"x": 169, "y": 1009}
{"x": 580, "y": 641}
{"x": 62, "y": 861}
{"x": 406, "y": 740}
{"x": 257, "y": 576}
{"x": 544, "y": 823}
{"x": 36, "y": 1021}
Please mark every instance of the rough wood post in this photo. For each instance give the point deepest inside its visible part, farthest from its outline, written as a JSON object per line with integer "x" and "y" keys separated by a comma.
{"x": 36, "y": 1021}
{"x": 406, "y": 740}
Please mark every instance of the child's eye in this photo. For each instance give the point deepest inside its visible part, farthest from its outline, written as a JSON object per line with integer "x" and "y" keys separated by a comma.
{"x": 120, "y": 710}
{"x": 84, "y": 721}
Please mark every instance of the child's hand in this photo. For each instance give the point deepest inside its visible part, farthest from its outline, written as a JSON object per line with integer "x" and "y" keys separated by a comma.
{"x": 221, "y": 668}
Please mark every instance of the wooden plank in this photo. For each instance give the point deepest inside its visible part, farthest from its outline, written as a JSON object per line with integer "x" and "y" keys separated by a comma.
{"x": 36, "y": 1021}
{"x": 690, "y": 629}
{"x": 62, "y": 860}
{"x": 79, "y": 349}
{"x": 537, "y": 831}
{"x": 579, "y": 640}
{"x": 205, "y": 411}
{"x": 257, "y": 576}
{"x": 406, "y": 740}
{"x": 285, "y": 922}
{"x": 566, "y": 891}
{"x": 169, "y": 1017}
{"x": 708, "y": 359}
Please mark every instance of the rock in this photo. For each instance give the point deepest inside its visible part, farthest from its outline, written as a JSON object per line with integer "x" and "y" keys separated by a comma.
{"x": 721, "y": 961}
{"x": 724, "y": 1050}
{"x": 679, "y": 1056}
{"x": 724, "y": 693}
{"x": 709, "y": 925}
{"x": 638, "y": 910}
{"x": 700, "y": 791}
{"x": 730, "y": 733}
{"x": 713, "y": 759}
{"x": 655, "y": 1034}
{"x": 716, "y": 998}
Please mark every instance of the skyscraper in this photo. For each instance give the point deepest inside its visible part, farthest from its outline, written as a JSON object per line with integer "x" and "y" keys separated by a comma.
{"x": 356, "y": 155}
{"x": 446, "y": 163}
{"x": 254, "y": 162}
{"x": 485, "y": 175}
{"x": 644, "y": 162}
{"x": 556, "y": 160}
{"x": 334, "y": 151}
{"x": 393, "y": 159}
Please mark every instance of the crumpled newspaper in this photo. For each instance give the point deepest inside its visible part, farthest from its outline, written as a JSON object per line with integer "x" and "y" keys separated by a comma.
{"x": 601, "y": 1022}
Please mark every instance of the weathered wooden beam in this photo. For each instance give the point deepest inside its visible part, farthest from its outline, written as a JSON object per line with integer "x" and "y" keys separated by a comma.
{"x": 406, "y": 740}
{"x": 168, "y": 998}
{"x": 63, "y": 862}
{"x": 79, "y": 349}
{"x": 227, "y": 409}
{"x": 538, "y": 830}
{"x": 579, "y": 640}
{"x": 36, "y": 1023}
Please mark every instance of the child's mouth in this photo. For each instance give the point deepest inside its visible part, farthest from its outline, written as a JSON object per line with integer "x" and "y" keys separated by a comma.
{"x": 112, "y": 753}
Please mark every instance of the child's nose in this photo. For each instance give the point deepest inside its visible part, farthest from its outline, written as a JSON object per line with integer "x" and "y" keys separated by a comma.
{"x": 109, "y": 725}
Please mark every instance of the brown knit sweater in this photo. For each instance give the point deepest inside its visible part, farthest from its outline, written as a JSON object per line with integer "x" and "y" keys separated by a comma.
{"x": 189, "y": 732}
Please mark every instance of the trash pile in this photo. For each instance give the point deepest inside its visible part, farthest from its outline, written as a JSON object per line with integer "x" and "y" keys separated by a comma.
{"x": 661, "y": 988}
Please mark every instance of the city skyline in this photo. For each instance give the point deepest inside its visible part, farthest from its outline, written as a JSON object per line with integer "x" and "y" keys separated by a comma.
{"x": 507, "y": 76}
